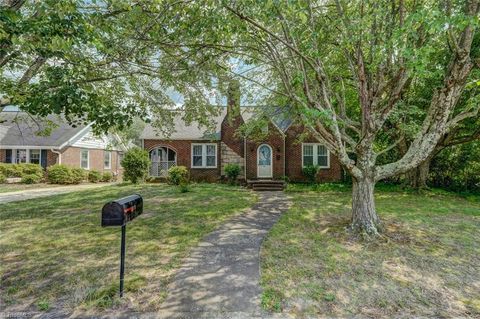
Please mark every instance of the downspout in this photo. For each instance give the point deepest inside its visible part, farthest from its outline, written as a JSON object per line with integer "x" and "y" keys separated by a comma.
{"x": 59, "y": 155}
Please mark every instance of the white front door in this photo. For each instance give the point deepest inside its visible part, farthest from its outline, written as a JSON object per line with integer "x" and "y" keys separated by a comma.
{"x": 264, "y": 161}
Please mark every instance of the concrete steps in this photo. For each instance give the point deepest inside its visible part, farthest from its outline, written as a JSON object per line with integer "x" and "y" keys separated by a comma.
{"x": 266, "y": 185}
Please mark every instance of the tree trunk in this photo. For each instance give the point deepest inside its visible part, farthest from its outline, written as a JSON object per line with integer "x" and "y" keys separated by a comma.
{"x": 417, "y": 177}
{"x": 364, "y": 215}
{"x": 423, "y": 171}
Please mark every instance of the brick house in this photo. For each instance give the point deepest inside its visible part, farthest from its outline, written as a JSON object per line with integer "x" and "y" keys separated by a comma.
{"x": 52, "y": 141}
{"x": 280, "y": 154}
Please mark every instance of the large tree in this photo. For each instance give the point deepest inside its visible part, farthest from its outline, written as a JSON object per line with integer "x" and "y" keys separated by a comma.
{"x": 93, "y": 61}
{"x": 345, "y": 67}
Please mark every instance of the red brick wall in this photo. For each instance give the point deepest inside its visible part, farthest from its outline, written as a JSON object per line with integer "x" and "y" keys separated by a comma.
{"x": 294, "y": 159}
{"x": 183, "y": 149}
{"x": 2, "y": 156}
{"x": 52, "y": 158}
{"x": 275, "y": 141}
{"x": 71, "y": 157}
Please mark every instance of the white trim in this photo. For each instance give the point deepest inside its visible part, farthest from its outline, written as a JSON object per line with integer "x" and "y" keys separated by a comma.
{"x": 109, "y": 159}
{"x": 315, "y": 155}
{"x": 271, "y": 161}
{"x": 75, "y": 137}
{"x": 204, "y": 155}
{"x": 88, "y": 158}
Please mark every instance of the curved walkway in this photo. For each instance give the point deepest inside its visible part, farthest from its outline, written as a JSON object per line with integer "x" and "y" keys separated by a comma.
{"x": 220, "y": 278}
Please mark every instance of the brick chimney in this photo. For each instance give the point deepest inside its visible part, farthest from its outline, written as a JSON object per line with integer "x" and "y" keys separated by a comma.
{"x": 233, "y": 99}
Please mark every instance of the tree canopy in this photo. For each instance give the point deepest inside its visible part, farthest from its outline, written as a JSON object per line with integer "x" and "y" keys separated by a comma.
{"x": 360, "y": 76}
{"x": 94, "y": 61}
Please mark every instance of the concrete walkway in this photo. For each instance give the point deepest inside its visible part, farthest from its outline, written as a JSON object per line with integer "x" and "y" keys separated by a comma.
{"x": 42, "y": 192}
{"x": 220, "y": 278}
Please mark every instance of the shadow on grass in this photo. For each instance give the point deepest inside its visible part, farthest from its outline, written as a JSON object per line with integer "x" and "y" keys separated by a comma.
{"x": 55, "y": 252}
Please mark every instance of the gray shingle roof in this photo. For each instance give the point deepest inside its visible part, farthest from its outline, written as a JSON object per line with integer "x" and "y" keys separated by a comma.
{"x": 18, "y": 129}
{"x": 194, "y": 131}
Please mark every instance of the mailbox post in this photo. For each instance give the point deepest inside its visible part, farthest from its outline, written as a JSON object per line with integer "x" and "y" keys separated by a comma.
{"x": 118, "y": 213}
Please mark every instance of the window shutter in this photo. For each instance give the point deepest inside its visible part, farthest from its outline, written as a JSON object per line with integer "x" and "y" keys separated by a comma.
{"x": 44, "y": 159}
{"x": 8, "y": 156}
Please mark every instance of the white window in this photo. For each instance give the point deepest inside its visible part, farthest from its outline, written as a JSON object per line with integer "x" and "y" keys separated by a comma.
{"x": 35, "y": 156}
{"x": 84, "y": 159}
{"x": 315, "y": 154}
{"x": 107, "y": 159}
{"x": 21, "y": 156}
{"x": 204, "y": 155}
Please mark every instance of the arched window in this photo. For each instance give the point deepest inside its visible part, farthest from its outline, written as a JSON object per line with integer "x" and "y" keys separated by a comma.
{"x": 162, "y": 159}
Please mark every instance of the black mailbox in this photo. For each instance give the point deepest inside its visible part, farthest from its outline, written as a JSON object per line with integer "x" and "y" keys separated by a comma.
{"x": 121, "y": 211}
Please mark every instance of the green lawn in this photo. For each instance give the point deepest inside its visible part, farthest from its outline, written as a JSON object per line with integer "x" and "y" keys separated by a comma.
{"x": 427, "y": 264}
{"x": 55, "y": 256}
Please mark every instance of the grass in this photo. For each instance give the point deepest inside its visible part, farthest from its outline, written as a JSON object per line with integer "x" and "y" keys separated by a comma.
{"x": 54, "y": 255}
{"x": 427, "y": 264}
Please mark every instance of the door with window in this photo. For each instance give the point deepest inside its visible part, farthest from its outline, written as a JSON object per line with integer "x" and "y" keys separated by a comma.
{"x": 264, "y": 161}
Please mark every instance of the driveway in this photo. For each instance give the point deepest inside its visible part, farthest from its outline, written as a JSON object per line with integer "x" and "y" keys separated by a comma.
{"x": 42, "y": 192}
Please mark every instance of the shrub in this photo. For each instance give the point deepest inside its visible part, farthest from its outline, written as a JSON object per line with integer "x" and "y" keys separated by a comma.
{"x": 107, "y": 177}
{"x": 31, "y": 169}
{"x": 94, "y": 176}
{"x": 3, "y": 178}
{"x": 31, "y": 179}
{"x": 178, "y": 175}
{"x": 310, "y": 172}
{"x": 232, "y": 171}
{"x": 11, "y": 170}
{"x": 77, "y": 175}
{"x": 135, "y": 164}
{"x": 183, "y": 186}
{"x": 59, "y": 174}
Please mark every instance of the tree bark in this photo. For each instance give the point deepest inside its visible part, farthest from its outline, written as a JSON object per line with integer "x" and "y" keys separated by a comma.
{"x": 364, "y": 215}
{"x": 417, "y": 177}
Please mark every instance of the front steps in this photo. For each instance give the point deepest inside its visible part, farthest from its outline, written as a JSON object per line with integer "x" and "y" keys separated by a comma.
{"x": 266, "y": 185}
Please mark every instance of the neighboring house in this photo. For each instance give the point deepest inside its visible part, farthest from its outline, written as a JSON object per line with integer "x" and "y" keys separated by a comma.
{"x": 24, "y": 140}
{"x": 281, "y": 154}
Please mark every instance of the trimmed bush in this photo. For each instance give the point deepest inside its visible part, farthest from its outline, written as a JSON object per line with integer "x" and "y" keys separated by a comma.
{"x": 310, "y": 172}
{"x": 77, "y": 175}
{"x": 3, "y": 178}
{"x": 94, "y": 176}
{"x": 11, "y": 170}
{"x": 135, "y": 164}
{"x": 107, "y": 177}
{"x": 232, "y": 171}
{"x": 31, "y": 179}
{"x": 59, "y": 174}
{"x": 32, "y": 169}
{"x": 177, "y": 175}
{"x": 20, "y": 170}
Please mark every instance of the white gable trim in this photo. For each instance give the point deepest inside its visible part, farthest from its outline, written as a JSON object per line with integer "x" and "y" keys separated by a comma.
{"x": 77, "y": 136}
